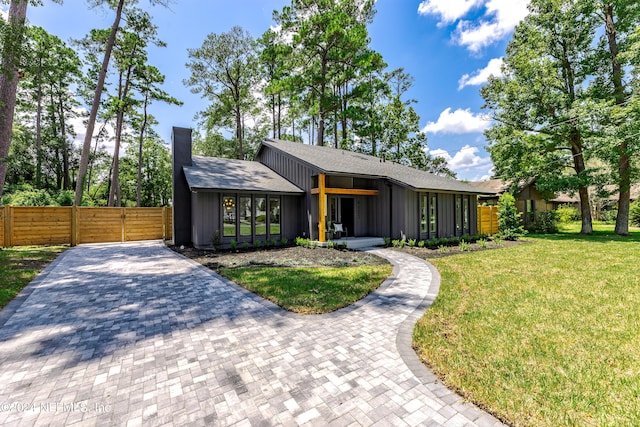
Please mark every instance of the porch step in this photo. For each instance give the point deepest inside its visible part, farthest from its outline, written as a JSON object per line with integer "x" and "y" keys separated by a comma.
{"x": 359, "y": 242}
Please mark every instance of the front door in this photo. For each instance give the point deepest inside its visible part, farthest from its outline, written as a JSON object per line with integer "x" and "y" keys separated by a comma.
{"x": 347, "y": 212}
{"x": 342, "y": 210}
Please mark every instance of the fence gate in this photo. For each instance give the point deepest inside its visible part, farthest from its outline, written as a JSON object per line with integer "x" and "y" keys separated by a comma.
{"x": 99, "y": 225}
{"x": 21, "y": 226}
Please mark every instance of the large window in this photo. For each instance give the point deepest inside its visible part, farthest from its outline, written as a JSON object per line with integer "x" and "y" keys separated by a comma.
{"x": 229, "y": 215}
{"x": 465, "y": 214}
{"x": 261, "y": 216}
{"x": 251, "y": 216}
{"x": 274, "y": 215}
{"x": 530, "y": 211}
{"x": 433, "y": 215}
{"x": 458, "y": 214}
{"x": 245, "y": 215}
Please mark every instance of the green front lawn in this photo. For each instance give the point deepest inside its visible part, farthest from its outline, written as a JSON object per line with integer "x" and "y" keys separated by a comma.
{"x": 19, "y": 265}
{"x": 542, "y": 334}
{"x": 312, "y": 290}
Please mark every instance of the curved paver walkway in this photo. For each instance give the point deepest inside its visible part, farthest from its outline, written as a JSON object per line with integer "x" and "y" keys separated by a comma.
{"x": 134, "y": 334}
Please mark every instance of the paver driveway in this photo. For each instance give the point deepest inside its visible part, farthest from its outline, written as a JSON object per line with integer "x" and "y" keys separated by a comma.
{"x": 134, "y": 334}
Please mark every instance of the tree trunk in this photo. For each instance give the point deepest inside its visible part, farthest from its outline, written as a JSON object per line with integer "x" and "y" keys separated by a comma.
{"x": 86, "y": 147}
{"x": 143, "y": 127}
{"x": 239, "y": 133}
{"x": 95, "y": 150}
{"x": 115, "y": 184}
{"x": 9, "y": 79}
{"x": 66, "y": 177}
{"x": 624, "y": 165}
{"x": 335, "y": 130}
{"x": 39, "y": 138}
{"x": 273, "y": 115}
{"x": 343, "y": 115}
{"x": 583, "y": 192}
{"x": 321, "y": 112}
{"x": 280, "y": 117}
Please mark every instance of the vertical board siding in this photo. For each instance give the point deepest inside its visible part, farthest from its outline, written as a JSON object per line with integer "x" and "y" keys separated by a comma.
{"x": 446, "y": 215}
{"x": 412, "y": 215}
{"x": 206, "y": 218}
{"x": 473, "y": 215}
{"x": 40, "y": 225}
{"x": 298, "y": 173}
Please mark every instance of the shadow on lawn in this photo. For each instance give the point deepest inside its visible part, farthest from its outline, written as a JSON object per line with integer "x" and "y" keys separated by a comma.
{"x": 598, "y": 236}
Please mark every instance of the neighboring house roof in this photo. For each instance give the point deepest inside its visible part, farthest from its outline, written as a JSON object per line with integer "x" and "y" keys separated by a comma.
{"x": 214, "y": 173}
{"x": 494, "y": 187}
{"x": 497, "y": 187}
{"x": 341, "y": 162}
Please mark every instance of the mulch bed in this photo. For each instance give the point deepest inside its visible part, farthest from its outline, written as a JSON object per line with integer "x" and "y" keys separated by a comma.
{"x": 298, "y": 256}
{"x": 426, "y": 253}
{"x": 294, "y": 256}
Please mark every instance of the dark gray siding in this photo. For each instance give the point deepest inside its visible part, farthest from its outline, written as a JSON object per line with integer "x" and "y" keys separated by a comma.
{"x": 206, "y": 218}
{"x": 446, "y": 215}
{"x": 473, "y": 206}
{"x": 301, "y": 175}
{"x": 378, "y": 210}
{"x": 291, "y": 219}
{"x": 181, "y": 145}
{"x": 412, "y": 215}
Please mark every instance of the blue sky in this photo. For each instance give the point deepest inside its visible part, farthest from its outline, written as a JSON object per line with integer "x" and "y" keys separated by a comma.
{"x": 448, "y": 46}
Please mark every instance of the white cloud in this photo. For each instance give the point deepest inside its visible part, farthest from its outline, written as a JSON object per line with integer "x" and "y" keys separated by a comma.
{"x": 448, "y": 10}
{"x": 500, "y": 19}
{"x": 458, "y": 122}
{"x": 481, "y": 76}
{"x": 466, "y": 162}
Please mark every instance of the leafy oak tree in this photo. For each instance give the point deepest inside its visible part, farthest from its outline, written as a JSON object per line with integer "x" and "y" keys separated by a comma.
{"x": 539, "y": 129}
{"x": 615, "y": 106}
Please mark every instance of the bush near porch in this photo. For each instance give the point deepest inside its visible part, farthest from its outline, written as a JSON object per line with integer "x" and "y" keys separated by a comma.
{"x": 542, "y": 334}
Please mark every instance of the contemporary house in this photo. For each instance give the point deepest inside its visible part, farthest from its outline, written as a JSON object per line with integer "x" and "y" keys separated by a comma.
{"x": 293, "y": 189}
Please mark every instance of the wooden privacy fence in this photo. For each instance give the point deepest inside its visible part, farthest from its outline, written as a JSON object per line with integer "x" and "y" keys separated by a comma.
{"x": 487, "y": 219}
{"x": 73, "y": 225}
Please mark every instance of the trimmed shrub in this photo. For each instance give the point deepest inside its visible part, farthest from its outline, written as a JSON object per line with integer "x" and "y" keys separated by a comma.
{"x": 567, "y": 213}
{"x": 509, "y": 224}
{"x": 634, "y": 213}
{"x": 545, "y": 223}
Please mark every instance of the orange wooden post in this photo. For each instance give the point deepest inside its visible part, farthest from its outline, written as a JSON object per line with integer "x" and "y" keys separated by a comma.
{"x": 322, "y": 207}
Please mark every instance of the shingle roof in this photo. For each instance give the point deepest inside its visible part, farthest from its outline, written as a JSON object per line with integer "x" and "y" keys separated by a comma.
{"x": 491, "y": 186}
{"x": 213, "y": 173}
{"x": 335, "y": 161}
{"x": 498, "y": 186}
